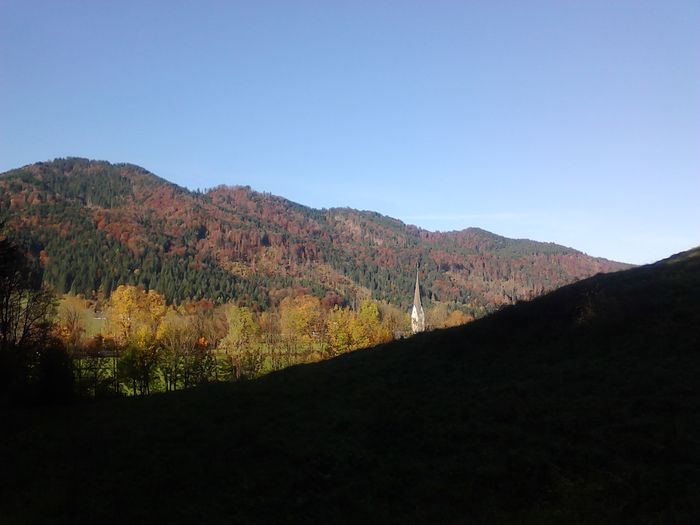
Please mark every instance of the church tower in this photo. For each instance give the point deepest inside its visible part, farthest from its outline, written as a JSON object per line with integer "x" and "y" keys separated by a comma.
{"x": 417, "y": 315}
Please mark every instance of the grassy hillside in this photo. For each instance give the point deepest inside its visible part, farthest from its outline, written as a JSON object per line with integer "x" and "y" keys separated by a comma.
{"x": 94, "y": 225}
{"x": 578, "y": 407}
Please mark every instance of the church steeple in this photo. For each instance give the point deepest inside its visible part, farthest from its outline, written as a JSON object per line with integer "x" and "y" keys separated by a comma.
{"x": 417, "y": 315}
{"x": 416, "y": 294}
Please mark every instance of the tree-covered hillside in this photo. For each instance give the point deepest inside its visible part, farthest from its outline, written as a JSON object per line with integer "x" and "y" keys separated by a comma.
{"x": 93, "y": 225}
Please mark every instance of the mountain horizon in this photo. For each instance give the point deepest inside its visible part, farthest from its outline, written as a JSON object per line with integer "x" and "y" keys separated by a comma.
{"x": 234, "y": 242}
{"x": 250, "y": 186}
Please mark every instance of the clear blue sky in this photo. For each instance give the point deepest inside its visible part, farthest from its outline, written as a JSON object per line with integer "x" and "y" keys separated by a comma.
{"x": 572, "y": 122}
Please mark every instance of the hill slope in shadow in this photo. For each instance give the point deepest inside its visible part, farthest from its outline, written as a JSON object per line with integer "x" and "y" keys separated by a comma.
{"x": 578, "y": 407}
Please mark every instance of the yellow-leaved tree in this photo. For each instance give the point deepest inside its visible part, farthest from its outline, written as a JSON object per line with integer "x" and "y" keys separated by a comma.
{"x": 347, "y": 330}
{"x": 242, "y": 343}
{"x": 133, "y": 310}
{"x": 301, "y": 323}
{"x": 338, "y": 331}
{"x": 134, "y": 316}
{"x": 367, "y": 328}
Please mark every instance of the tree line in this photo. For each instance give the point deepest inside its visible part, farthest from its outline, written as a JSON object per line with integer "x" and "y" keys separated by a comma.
{"x": 146, "y": 345}
{"x": 136, "y": 343}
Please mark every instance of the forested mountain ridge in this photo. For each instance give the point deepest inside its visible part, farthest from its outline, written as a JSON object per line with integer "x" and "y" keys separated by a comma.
{"x": 93, "y": 225}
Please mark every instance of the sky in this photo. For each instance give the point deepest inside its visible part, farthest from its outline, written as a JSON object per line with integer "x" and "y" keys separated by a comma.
{"x": 569, "y": 122}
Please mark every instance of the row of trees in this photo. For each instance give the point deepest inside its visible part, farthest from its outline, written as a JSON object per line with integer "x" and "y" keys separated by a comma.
{"x": 145, "y": 345}
{"x": 148, "y": 345}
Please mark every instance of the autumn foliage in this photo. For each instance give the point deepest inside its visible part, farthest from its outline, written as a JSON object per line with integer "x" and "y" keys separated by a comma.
{"x": 144, "y": 345}
{"x": 94, "y": 226}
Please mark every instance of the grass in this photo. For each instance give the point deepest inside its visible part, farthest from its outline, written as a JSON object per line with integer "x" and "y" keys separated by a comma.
{"x": 579, "y": 407}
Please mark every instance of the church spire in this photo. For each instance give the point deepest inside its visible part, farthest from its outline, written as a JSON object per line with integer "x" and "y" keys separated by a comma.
{"x": 417, "y": 315}
{"x": 416, "y": 294}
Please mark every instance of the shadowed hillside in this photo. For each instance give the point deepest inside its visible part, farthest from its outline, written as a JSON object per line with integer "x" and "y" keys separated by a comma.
{"x": 578, "y": 407}
{"x": 232, "y": 243}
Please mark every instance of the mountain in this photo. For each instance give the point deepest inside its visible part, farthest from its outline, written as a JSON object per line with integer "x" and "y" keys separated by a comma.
{"x": 577, "y": 407}
{"x": 93, "y": 225}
